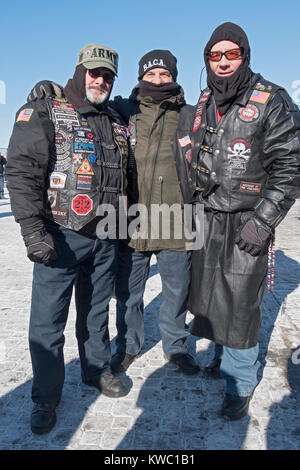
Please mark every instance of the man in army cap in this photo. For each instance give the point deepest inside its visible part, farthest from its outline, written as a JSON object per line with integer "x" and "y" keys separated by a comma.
{"x": 67, "y": 156}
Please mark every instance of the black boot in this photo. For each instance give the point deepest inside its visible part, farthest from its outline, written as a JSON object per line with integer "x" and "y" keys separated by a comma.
{"x": 109, "y": 385}
{"x": 235, "y": 407}
{"x": 185, "y": 362}
{"x": 213, "y": 368}
{"x": 43, "y": 417}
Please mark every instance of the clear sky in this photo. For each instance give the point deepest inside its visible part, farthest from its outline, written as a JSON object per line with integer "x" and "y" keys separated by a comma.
{"x": 41, "y": 40}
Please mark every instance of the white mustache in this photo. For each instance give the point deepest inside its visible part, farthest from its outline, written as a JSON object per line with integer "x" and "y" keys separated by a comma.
{"x": 97, "y": 88}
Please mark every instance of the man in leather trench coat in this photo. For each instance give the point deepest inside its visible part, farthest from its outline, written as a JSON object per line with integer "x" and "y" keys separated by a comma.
{"x": 244, "y": 168}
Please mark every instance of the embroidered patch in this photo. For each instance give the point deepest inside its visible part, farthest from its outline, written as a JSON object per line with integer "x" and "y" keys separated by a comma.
{"x": 77, "y": 157}
{"x": 250, "y": 187}
{"x": 85, "y": 168}
{"x": 65, "y": 116}
{"x": 62, "y": 142}
{"x": 197, "y": 123}
{"x": 249, "y": 114}
{"x": 188, "y": 155}
{"x": 199, "y": 110}
{"x": 184, "y": 141}
{"x": 238, "y": 154}
{"x": 57, "y": 180}
{"x": 81, "y": 146}
{"x": 54, "y": 209}
{"x": 259, "y": 96}
{"x": 92, "y": 158}
{"x": 82, "y": 204}
{"x": 53, "y": 197}
{"x": 25, "y": 115}
{"x": 84, "y": 182}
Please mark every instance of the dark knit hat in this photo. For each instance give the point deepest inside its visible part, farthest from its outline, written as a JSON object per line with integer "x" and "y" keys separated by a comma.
{"x": 158, "y": 59}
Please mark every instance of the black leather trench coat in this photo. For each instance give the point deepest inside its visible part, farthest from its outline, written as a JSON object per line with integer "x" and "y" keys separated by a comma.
{"x": 248, "y": 162}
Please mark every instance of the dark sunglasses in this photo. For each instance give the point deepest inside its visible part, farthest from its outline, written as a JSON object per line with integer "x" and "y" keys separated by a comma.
{"x": 107, "y": 77}
{"x": 233, "y": 54}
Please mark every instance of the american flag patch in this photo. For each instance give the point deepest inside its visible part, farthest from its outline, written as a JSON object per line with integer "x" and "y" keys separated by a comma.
{"x": 25, "y": 115}
{"x": 184, "y": 141}
{"x": 259, "y": 96}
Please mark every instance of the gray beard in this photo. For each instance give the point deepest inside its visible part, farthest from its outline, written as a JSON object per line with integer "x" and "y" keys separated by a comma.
{"x": 96, "y": 100}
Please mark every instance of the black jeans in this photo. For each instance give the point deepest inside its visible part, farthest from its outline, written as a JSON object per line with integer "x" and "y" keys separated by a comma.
{"x": 89, "y": 266}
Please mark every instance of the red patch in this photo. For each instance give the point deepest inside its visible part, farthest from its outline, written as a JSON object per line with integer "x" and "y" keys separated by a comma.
{"x": 250, "y": 187}
{"x": 82, "y": 204}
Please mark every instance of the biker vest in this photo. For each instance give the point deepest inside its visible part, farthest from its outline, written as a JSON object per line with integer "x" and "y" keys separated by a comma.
{"x": 85, "y": 169}
{"x": 226, "y": 163}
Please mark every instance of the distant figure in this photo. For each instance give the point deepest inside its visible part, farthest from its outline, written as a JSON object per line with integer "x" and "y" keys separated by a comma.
{"x": 2, "y": 164}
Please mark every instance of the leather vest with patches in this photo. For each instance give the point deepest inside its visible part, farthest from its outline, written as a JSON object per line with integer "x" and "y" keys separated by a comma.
{"x": 226, "y": 162}
{"x": 85, "y": 169}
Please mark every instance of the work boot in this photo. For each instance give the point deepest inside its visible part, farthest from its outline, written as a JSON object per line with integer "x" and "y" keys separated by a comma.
{"x": 235, "y": 407}
{"x": 213, "y": 368}
{"x": 109, "y": 385}
{"x": 43, "y": 417}
{"x": 185, "y": 362}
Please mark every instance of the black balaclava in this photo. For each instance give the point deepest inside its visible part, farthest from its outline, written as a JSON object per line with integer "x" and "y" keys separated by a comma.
{"x": 227, "y": 90}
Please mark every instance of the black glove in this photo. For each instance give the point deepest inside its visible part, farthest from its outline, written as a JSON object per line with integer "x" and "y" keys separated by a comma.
{"x": 252, "y": 235}
{"x": 39, "y": 243}
{"x": 44, "y": 89}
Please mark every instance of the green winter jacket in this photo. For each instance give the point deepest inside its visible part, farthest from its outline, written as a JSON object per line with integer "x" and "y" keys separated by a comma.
{"x": 157, "y": 181}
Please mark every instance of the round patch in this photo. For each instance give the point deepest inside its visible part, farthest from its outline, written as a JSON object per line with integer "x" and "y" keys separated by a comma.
{"x": 188, "y": 155}
{"x": 249, "y": 114}
{"x": 92, "y": 158}
{"x": 82, "y": 204}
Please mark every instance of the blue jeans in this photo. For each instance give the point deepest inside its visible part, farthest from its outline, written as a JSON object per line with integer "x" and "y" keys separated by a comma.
{"x": 133, "y": 271}
{"x": 239, "y": 367}
{"x": 89, "y": 266}
{"x": 1, "y": 186}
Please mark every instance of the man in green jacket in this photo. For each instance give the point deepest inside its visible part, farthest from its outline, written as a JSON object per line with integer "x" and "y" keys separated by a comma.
{"x": 153, "y": 111}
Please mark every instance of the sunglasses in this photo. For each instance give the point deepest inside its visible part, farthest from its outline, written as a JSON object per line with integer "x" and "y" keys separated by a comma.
{"x": 107, "y": 77}
{"x": 233, "y": 54}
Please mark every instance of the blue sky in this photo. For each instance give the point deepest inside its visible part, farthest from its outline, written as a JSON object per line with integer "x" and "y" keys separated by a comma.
{"x": 41, "y": 40}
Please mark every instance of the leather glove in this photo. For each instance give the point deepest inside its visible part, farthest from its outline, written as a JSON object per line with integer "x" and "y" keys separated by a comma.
{"x": 39, "y": 243}
{"x": 252, "y": 235}
{"x": 40, "y": 247}
{"x": 43, "y": 89}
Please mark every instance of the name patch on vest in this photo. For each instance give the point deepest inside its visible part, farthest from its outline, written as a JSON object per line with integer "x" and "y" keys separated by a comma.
{"x": 250, "y": 187}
